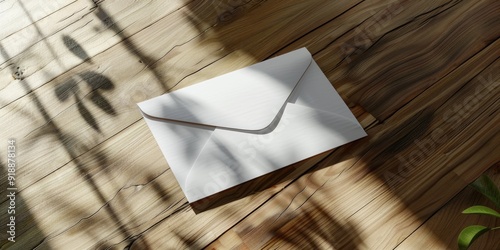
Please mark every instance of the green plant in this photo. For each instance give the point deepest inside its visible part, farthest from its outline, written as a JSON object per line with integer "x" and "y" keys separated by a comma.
{"x": 485, "y": 186}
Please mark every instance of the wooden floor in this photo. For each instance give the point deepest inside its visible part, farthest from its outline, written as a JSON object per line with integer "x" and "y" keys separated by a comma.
{"x": 422, "y": 77}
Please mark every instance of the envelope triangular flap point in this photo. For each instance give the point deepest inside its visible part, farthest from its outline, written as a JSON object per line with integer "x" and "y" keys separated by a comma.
{"x": 245, "y": 99}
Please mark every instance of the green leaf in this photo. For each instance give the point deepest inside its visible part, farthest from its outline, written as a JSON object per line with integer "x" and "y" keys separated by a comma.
{"x": 481, "y": 210}
{"x": 469, "y": 235}
{"x": 486, "y": 187}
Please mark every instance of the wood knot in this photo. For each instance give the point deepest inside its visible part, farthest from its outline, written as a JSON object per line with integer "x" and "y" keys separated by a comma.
{"x": 18, "y": 74}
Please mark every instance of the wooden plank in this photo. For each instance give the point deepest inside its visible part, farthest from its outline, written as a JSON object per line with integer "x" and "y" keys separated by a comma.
{"x": 108, "y": 178}
{"x": 379, "y": 194}
{"x": 130, "y": 83}
{"x": 449, "y": 221}
{"x": 23, "y": 218}
{"x": 130, "y": 86}
{"x": 88, "y": 200}
{"x": 93, "y": 191}
{"x": 66, "y": 115}
{"x": 13, "y": 13}
{"x": 23, "y": 38}
{"x": 73, "y": 36}
{"x": 352, "y": 35}
{"x": 134, "y": 185}
{"x": 430, "y": 52}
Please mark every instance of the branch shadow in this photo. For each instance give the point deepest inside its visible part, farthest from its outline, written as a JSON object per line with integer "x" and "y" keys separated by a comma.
{"x": 111, "y": 24}
{"x": 380, "y": 157}
{"x": 316, "y": 228}
{"x": 71, "y": 145}
{"x": 224, "y": 12}
{"x": 268, "y": 180}
{"x": 84, "y": 89}
{"x": 24, "y": 222}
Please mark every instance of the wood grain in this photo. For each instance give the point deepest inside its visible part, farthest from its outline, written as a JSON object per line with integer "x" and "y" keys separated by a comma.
{"x": 449, "y": 221}
{"x": 421, "y": 77}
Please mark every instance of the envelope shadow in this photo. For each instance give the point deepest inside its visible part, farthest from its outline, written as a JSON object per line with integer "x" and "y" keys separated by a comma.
{"x": 277, "y": 177}
{"x": 245, "y": 189}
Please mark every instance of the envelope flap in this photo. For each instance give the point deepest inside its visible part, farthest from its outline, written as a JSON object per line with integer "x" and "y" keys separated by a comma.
{"x": 245, "y": 99}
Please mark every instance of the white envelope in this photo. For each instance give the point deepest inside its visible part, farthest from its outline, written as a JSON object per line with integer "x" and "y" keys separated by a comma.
{"x": 233, "y": 128}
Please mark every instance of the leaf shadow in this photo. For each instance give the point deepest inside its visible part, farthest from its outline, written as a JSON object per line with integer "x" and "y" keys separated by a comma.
{"x": 74, "y": 47}
{"x": 97, "y": 85}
